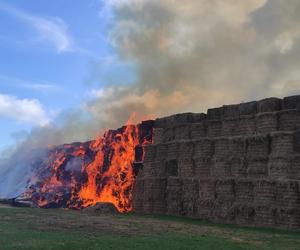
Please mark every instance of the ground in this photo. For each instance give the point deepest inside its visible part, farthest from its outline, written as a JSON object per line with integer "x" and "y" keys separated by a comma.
{"x": 25, "y": 228}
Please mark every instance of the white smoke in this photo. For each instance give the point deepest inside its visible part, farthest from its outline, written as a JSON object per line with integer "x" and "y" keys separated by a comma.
{"x": 192, "y": 55}
{"x": 17, "y": 170}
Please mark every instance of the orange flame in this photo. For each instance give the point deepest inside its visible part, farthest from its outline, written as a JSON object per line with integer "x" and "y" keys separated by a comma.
{"x": 105, "y": 173}
{"x": 118, "y": 178}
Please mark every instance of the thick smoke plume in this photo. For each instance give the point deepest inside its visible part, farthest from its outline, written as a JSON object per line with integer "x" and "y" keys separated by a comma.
{"x": 189, "y": 55}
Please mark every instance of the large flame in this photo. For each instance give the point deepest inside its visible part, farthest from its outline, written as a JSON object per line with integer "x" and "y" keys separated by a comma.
{"x": 82, "y": 174}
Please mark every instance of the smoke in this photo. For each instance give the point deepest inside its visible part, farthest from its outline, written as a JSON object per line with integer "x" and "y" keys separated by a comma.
{"x": 17, "y": 169}
{"x": 74, "y": 164}
{"x": 189, "y": 55}
{"x": 192, "y": 55}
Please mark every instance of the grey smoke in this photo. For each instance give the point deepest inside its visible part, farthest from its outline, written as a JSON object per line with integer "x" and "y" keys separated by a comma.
{"x": 192, "y": 55}
{"x": 74, "y": 164}
{"x": 16, "y": 171}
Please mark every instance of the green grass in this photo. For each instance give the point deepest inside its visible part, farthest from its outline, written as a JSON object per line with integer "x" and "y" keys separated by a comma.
{"x": 22, "y": 228}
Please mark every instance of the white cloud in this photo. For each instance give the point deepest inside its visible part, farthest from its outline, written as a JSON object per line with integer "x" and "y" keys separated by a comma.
{"x": 23, "y": 110}
{"x": 36, "y": 85}
{"x": 51, "y": 29}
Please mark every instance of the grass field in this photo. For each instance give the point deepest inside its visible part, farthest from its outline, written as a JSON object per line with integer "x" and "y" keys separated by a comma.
{"x": 24, "y": 228}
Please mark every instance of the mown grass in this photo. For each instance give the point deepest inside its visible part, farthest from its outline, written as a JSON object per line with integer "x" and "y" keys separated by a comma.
{"x": 22, "y": 228}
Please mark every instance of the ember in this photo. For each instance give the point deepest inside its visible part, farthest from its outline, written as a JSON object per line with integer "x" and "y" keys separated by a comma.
{"x": 80, "y": 175}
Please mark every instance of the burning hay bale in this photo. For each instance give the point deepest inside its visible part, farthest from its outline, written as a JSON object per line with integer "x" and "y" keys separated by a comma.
{"x": 89, "y": 174}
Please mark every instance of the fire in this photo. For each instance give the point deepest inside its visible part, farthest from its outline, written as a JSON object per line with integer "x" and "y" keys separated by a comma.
{"x": 82, "y": 174}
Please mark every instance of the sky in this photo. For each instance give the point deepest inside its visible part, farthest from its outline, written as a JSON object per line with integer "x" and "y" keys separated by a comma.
{"x": 69, "y": 69}
{"x": 49, "y": 50}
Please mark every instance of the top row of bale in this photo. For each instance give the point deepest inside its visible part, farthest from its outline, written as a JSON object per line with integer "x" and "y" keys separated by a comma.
{"x": 233, "y": 111}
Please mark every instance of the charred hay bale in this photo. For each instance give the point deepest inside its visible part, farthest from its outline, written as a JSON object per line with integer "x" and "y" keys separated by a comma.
{"x": 148, "y": 198}
{"x": 173, "y": 150}
{"x": 171, "y": 168}
{"x": 238, "y": 167}
{"x": 207, "y": 189}
{"x": 225, "y": 190}
{"x": 244, "y": 191}
{"x": 186, "y": 149}
{"x": 202, "y": 166}
{"x": 205, "y": 208}
{"x": 258, "y": 147}
{"x": 287, "y": 194}
{"x": 149, "y": 169}
{"x": 287, "y": 218}
{"x": 138, "y": 195}
{"x": 189, "y": 197}
{"x": 198, "y": 130}
{"x": 269, "y": 105}
{"x": 150, "y": 153}
{"x": 230, "y": 127}
{"x": 182, "y": 132}
{"x": 161, "y": 152}
{"x": 244, "y": 214}
{"x": 282, "y": 144}
{"x": 158, "y": 135}
{"x": 178, "y": 119}
{"x": 280, "y": 167}
{"x": 160, "y": 169}
{"x": 291, "y": 102}
{"x": 267, "y": 122}
{"x": 297, "y": 142}
{"x": 246, "y": 126}
{"x": 184, "y": 118}
{"x": 154, "y": 195}
{"x": 140, "y": 172}
{"x": 222, "y": 149}
{"x": 173, "y": 197}
{"x": 248, "y": 108}
{"x": 160, "y": 123}
{"x": 186, "y": 167}
{"x": 231, "y": 111}
{"x": 257, "y": 167}
{"x": 199, "y": 117}
{"x": 264, "y": 215}
{"x": 214, "y": 128}
{"x": 220, "y": 167}
{"x": 223, "y": 211}
{"x": 295, "y": 168}
{"x": 154, "y": 169}
{"x": 289, "y": 120}
{"x": 264, "y": 192}
{"x": 229, "y": 147}
{"x": 237, "y": 147}
{"x": 166, "y": 122}
{"x": 215, "y": 114}
{"x": 159, "y": 195}
{"x": 169, "y": 134}
{"x": 204, "y": 148}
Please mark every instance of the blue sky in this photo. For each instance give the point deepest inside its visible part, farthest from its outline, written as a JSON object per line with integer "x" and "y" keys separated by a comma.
{"x": 52, "y": 54}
